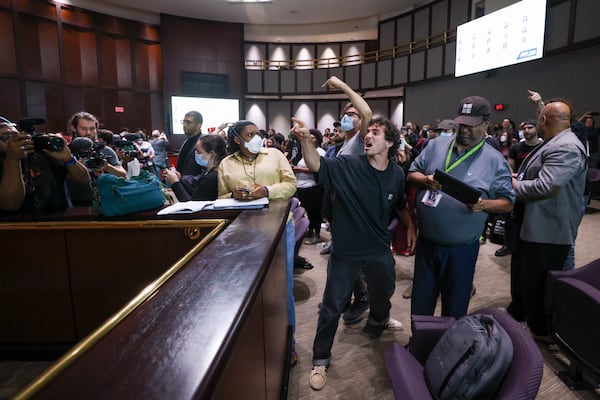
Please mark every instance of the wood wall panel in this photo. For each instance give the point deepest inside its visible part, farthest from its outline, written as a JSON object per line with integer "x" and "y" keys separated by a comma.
{"x": 36, "y": 7}
{"x": 116, "y": 61}
{"x": 35, "y": 285}
{"x": 148, "y": 66}
{"x": 46, "y": 101}
{"x": 81, "y": 59}
{"x": 76, "y": 17}
{"x": 49, "y": 50}
{"x": 10, "y": 89}
{"x": 7, "y": 44}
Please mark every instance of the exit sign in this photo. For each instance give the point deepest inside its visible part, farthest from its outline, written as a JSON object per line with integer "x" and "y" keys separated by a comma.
{"x": 119, "y": 109}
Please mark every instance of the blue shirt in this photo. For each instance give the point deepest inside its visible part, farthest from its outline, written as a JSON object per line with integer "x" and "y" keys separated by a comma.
{"x": 451, "y": 222}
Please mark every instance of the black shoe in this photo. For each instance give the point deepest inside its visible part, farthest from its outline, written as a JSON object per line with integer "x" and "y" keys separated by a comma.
{"x": 300, "y": 262}
{"x": 355, "y": 312}
{"x": 325, "y": 250}
{"x": 374, "y": 331}
{"x": 503, "y": 251}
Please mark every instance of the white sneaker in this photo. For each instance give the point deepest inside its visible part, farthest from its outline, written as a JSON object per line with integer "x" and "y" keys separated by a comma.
{"x": 318, "y": 377}
{"x": 393, "y": 325}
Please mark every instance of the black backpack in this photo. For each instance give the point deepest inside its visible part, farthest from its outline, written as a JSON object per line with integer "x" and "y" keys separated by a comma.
{"x": 470, "y": 359}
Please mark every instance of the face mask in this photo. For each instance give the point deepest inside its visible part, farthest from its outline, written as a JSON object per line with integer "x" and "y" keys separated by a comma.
{"x": 254, "y": 144}
{"x": 347, "y": 123}
{"x": 199, "y": 160}
{"x": 503, "y": 139}
{"x": 445, "y": 133}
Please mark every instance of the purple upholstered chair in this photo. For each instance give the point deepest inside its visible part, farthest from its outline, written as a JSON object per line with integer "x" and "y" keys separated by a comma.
{"x": 406, "y": 370}
{"x": 573, "y": 307}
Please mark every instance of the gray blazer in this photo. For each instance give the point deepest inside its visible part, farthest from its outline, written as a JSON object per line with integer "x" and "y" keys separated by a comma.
{"x": 551, "y": 184}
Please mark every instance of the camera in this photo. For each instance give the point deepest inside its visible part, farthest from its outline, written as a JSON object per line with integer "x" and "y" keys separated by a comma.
{"x": 89, "y": 151}
{"x": 128, "y": 148}
{"x": 40, "y": 140}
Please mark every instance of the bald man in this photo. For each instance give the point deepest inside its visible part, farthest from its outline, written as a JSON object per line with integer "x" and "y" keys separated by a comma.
{"x": 549, "y": 187}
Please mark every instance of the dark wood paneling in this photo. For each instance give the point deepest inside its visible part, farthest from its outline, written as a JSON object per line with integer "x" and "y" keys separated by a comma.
{"x": 7, "y": 44}
{"x": 148, "y": 65}
{"x": 116, "y": 61}
{"x": 81, "y": 60}
{"x": 45, "y": 101}
{"x": 11, "y": 109}
{"x": 205, "y": 325}
{"x": 190, "y": 45}
{"x": 36, "y": 7}
{"x": 36, "y": 306}
{"x": 113, "y": 120}
{"x": 76, "y": 17}
{"x": 104, "y": 279}
{"x": 38, "y": 48}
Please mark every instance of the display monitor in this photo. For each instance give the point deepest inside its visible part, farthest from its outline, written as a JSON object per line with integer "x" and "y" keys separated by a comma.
{"x": 511, "y": 35}
{"x": 214, "y": 111}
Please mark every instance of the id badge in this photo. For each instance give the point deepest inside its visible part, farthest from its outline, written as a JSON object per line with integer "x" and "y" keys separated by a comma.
{"x": 432, "y": 198}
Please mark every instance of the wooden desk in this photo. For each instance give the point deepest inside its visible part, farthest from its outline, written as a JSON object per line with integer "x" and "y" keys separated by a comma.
{"x": 214, "y": 328}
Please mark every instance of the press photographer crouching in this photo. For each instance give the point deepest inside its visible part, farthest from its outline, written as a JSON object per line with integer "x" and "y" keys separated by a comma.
{"x": 102, "y": 160}
{"x": 34, "y": 168}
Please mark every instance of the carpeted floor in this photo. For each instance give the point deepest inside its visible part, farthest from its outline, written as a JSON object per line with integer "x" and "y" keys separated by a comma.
{"x": 357, "y": 368}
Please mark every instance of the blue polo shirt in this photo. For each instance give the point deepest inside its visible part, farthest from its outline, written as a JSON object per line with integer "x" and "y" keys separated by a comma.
{"x": 451, "y": 222}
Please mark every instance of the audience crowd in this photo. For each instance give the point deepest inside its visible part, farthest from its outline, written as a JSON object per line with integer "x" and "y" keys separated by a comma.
{"x": 373, "y": 185}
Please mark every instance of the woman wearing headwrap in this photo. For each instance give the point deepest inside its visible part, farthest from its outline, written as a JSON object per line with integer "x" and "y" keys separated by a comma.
{"x": 253, "y": 171}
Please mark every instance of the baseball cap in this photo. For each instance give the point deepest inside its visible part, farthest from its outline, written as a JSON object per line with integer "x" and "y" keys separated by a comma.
{"x": 445, "y": 125}
{"x": 531, "y": 122}
{"x": 472, "y": 111}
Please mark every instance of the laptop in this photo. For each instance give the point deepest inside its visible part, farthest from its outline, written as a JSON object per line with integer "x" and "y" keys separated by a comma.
{"x": 457, "y": 188}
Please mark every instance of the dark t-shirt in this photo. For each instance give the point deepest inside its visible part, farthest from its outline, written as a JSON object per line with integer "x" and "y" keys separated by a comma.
{"x": 45, "y": 180}
{"x": 518, "y": 152}
{"x": 363, "y": 203}
{"x": 198, "y": 187}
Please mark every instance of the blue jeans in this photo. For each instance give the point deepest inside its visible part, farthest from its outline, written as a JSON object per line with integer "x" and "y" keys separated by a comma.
{"x": 445, "y": 270}
{"x": 290, "y": 239}
{"x": 342, "y": 273}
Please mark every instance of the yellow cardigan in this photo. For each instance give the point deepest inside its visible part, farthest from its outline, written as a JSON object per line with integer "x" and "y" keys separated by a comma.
{"x": 270, "y": 169}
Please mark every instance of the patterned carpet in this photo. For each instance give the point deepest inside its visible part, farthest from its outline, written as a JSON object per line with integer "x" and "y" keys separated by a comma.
{"x": 357, "y": 369}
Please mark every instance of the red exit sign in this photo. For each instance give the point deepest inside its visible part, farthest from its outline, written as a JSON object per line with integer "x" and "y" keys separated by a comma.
{"x": 119, "y": 109}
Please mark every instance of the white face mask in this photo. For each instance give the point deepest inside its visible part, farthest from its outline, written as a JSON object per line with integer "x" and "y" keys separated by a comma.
{"x": 254, "y": 144}
{"x": 503, "y": 139}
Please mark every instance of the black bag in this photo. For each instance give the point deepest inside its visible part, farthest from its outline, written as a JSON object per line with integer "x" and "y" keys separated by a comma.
{"x": 470, "y": 359}
{"x": 498, "y": 227}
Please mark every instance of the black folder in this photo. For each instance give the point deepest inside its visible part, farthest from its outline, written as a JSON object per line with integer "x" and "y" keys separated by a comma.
{"x": 457, "y": 188}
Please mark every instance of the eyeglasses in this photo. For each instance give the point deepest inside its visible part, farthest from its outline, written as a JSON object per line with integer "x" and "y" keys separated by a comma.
{"x": 528, "y": 127}
{"x": 351, "y": 114}
{"x": 186, "y": 121}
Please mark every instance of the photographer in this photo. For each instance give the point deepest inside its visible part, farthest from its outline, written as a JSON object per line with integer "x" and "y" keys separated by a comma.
{"x": 129, "y": 155}
{"x": 105, "y": 160}
{"x": 33, "y": 169}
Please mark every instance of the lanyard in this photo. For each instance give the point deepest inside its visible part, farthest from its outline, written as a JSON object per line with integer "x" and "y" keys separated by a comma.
{"x": 463, "y": 158}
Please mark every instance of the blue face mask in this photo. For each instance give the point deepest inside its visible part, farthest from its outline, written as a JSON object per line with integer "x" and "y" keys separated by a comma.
{"x": 347, "y": 123}
{"x": 445, "y": 133}
{"x": 199, "y": 160}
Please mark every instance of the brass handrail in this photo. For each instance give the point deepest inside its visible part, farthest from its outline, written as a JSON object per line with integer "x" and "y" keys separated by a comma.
{"x": 361, "y": 58}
